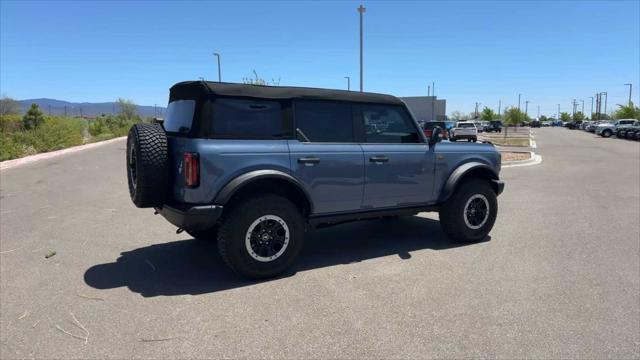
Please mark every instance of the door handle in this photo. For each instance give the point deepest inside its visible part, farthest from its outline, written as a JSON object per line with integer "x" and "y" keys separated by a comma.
{"x": 308, "y": 160}
{"x": 379, "y": 159}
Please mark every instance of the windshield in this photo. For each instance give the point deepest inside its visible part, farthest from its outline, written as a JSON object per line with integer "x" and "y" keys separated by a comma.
{"x": 179, "y": 116}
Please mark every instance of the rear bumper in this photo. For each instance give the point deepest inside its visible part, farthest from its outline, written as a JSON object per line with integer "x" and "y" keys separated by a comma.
{"x": 499, "y": 186}
{"x": 191, "y": 217}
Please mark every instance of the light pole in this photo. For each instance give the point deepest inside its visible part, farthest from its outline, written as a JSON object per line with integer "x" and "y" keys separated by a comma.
{"x": 558, "y": 118}
{"x": 519, "y": 101}
{"x": 348, "y": 83}
{"x": 219, "y": 72}
{"x": 499, "y": 106}
{"x": 573, "y": 108}
{"x": 476, "y": 116}
{"x": 428, "y": 90}
{"x": 361, "y": 11}
{"x": 582, "y": 107}
{"x": 591, "y": 114}
{"x": 526, "y": 107}
{"x": 630, "y": 86}
{"x": 538, "y": 111}
{"x": 606, "y": 97}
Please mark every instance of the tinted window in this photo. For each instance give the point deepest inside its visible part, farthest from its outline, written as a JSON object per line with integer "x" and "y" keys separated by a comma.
{"x": 179, "y": 116}
{"x": 430, "y": 125}
{"x": 247, "y": 118}
{"x": 388, "y": 124}
{"x": 324, "y": 121}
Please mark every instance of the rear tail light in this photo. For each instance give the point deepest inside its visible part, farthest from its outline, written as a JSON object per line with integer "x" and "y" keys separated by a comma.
{"x": 191, "y": 169}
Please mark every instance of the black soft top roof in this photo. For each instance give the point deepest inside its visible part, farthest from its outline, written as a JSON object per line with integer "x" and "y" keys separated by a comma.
{"x": 198, "y": 89}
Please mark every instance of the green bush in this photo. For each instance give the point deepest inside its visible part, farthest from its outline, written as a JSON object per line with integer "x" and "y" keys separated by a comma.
{"x": 54, "y": 134}
{"x": 115, "y": 125}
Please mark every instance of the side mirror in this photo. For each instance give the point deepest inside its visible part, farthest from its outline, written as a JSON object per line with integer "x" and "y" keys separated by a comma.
{"x": 435, "y": 136}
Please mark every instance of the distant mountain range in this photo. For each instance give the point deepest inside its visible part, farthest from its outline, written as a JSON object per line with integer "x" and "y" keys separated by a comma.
{"x": 60, "y": 107}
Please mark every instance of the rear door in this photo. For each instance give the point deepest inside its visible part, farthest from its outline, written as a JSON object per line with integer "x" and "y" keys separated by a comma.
{"x": 330, "y": 163}
{"x": 398, "y": 164}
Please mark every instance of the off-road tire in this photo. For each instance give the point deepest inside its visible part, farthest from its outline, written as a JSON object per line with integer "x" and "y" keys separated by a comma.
{"x": 607, "y": 133}
{"x": 452, "y": 211}
{"x": 236, "y": 223}
{"x": 147, "y": 165}
{"x": 210, "y": 234}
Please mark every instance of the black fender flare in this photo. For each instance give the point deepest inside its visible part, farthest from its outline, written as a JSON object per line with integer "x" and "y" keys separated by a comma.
{"x": 240, "y": 181}
{"x": 459, "y": 173}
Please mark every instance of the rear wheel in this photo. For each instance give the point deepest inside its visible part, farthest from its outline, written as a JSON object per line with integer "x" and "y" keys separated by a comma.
{"x": 606, "y": 133}
{"x": 261, "y": 237}
{"x": 471, "y": 211}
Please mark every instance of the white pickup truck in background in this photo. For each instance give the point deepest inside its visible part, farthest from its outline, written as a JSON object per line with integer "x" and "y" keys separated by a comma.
{"x": 464, "y": 130}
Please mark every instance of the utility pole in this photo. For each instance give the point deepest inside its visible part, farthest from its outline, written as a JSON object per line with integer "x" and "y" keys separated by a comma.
{"x": 582, "y": 107}
{"x": 361, "y": 11}
{"x": 591, "y": 113}
{"x": 573, "y": 111}
{"x": 519, "y": 101}
{"x": 348, "y": 83}
{"x": 433, "y": 86}
{"x": 526, "y": 107}
{"x": 476, "y": 116}
{"x": 428, "y": 90}
{"x": 219, "y": 71}
{"x": 630, "y": 86}
{"x": 606, "y": 97}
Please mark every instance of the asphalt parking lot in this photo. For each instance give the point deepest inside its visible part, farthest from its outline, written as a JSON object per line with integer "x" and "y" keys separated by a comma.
{"x": 559, "y": 277}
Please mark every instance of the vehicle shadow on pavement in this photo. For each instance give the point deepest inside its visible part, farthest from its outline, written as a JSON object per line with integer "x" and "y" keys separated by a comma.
{"x": 194, "y": 266}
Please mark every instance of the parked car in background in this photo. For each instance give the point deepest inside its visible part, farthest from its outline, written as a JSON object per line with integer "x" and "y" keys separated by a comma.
{"x": 591, "y": 127}
{"x": 627, "y": 131}
{"x": 535, "y": 123}
{"x": 494, "y": 126}
{"x": 464, "y": 130}
{"x": 546, "y": 123}
{"x": 573, "y": 125}
{"x": 607, "y": 129}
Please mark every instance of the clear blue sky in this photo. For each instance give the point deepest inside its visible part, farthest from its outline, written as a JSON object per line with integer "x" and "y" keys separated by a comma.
{"x": 549, "y": 51}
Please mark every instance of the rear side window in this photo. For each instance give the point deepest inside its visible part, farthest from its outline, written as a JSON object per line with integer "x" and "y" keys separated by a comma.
{"x": 324, "y": 121}
{"x": 179, "y": 116}
{"x": 240, "y": 118}
{"x": 388, "y": 124}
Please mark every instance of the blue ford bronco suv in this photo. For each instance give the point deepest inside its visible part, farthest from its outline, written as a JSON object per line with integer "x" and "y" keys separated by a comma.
{"x": 255, "y": 167}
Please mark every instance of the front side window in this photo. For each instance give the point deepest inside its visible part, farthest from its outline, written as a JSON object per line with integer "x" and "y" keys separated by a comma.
{"x": 179, "y": 116}
{"x": 324, "y": 121}
{"x": 388, "y": 124}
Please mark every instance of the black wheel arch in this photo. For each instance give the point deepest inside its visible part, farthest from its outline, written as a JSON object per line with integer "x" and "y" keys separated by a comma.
{"x": 274, "y": 181}
{"x": 473, "y": 169}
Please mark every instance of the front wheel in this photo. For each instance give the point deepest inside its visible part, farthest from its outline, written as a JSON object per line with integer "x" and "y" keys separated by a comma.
{"x": 606, "y": 133}
{"x": 261, "y": 237}
{"x": 471, "y": 211}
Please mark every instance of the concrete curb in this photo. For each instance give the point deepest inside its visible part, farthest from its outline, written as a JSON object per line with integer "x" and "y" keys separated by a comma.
{"x": 8, "y": 164}
{"x": 535, "y": 159}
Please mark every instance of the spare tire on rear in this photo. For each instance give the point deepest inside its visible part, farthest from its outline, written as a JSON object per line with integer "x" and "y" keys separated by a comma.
{"x": 147, "y": 165}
